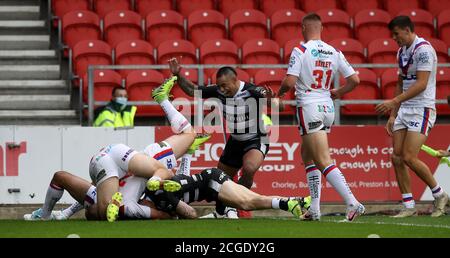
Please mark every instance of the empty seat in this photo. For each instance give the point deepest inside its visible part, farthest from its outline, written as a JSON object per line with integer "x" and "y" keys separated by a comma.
{"x": 382, "y": 51}
{"x": 389, "y": 79}
{"x": 394, "y": 7}
{"x": 314, "y": 5}
{"x": 354, "y": 6}
{"x": 241, "y": 75}
{"x": 90, "y": 52}
{"x": 104, "y": 82}
{"x": 444, "y": 26}
{"x": 273, "y": 79}
{"x": 145, "y": 7}
{"x": 182, "y": 49}
{"x": 441, "y": 49}
{"x": 164, "y": 25}
{"x": 80, "y": 25}
{"x": 204, "y": 25}
{"x": 443, "y": 89}
{"x": 372, "y": 24}
{"x": 423, "y": 22}
{"x": 247, "y": 24}
{"x": 435, "y": 7}
{"x": 367, "y": 89}
{"x": 122, "y": 25}
{"x": 62, "y": 7}
{"x": 336, "y": 24}
{"x": 352, "y": 49}
{"x": 269, "y": 7}
{"x": 140, "y": 84}
{"x": 289, "y": 46}
{"x": 134, "y": 52}
{"x": 286, "y": 24}
{"x": 227, "y": 7}
{"x": 103, "y": 7}
{"x": 221, "y": 51}
{"x": 260, "y": 51}
{"x": 186, "y": 7}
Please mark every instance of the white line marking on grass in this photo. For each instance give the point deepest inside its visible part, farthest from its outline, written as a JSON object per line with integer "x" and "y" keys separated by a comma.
{"x": 395, "y": 224}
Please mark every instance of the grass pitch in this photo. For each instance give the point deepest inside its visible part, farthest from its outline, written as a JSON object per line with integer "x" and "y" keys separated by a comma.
{"x": 383, "y": 226}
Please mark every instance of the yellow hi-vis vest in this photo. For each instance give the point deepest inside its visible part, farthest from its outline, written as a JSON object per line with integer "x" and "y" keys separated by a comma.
{"x": 111, "y": 118}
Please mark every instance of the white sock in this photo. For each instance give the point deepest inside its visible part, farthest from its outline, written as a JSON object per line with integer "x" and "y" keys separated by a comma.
{"x": 408, "y": 200}
{"x": 337, "y": 180}
{"x": 136, "y": 211}
{"x": 275, "y": 203}
{"x": 437, "y": 191}
{"x": 54, "y": 193}
{"x": 74, "y": 208}
{"x": 178, "y": 122}
{"x": 314, "y": 178}
{"x": 185, "y": 166}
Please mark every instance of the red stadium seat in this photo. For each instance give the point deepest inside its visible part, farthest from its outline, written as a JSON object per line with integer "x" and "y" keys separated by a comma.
{"x": 80, "y": 25}
{"x": 104, "y": 82}
{"x": 241, "y": 75}
{"x": 164, "y": 25}
{"x": 423, "y": 22}
{"x": 247, "y": 24}
{"x": 134, "y": 52}
{"x": 443, "y": 89}
{"x": 435, "y": 7}
{"x": 352, "y": 49}
{"x": 182, "y": 49}
{"x": 140, "y": 84}
{"x": 221, "y": 51}
{"x": 444, "y": 26}
{"x": 260, "y": 51}
{"x": 90, "y": 52}
{"x": 394, "y": 7}
{"x": 286, "y": 24}
{"x": 186, "y": 7}
{"x": 227, "y": 7}
{"x": 273, "y": 79}
{"x": 441, "y": 50}
{"x": 145, "y": 7}
{"x": 62, "y": 7}
{"x": 367, "y": 89}
{"x": 372, "y": 24}
{"x": 204, "y": 25}
{"x": 314, "y": 5}
{"x": 382, "y": 51}
{"x": 289, "y": 46}
{"x": 269, "y": 7}
{"x": 354, "y": 6}
{"x": 389, "y": 80}
{"x": 103, "y": 7}
{"x": 122, "y": 25}
{"x": 336, "y": 24}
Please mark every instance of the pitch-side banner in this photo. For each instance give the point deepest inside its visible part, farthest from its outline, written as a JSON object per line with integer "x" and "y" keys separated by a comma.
{"x": 362, "y": 153}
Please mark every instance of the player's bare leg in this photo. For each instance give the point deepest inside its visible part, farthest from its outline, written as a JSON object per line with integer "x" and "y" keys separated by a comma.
{"x": 411, "y": 147}
{"x": 105, "y": 192}
{"x": 252, "y": 160}
{"x": 317, "y": 145}
{"x": 229, "y": 170}
{"x": 314, "y": 179}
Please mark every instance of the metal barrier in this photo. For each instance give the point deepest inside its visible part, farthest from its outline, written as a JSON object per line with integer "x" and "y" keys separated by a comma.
{"x": 201, "y": 82}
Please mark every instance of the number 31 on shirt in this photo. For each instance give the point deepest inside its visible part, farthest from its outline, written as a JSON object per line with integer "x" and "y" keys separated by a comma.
{"x": 318, "y": 75}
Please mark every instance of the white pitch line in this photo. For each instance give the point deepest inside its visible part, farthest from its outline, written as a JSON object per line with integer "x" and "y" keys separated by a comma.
{"x": 395, "y": 224}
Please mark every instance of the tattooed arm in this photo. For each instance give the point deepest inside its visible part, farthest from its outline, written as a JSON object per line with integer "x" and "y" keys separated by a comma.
{"x": 187, "y": 86}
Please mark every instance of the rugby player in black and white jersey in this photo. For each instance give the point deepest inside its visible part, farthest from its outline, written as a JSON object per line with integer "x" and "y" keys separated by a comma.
{"x": 248, "y": 143}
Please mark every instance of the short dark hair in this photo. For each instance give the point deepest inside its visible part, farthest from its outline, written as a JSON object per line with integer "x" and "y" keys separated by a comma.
{"x": 402, "y": 22}
{"x": 226, "y": 70}
{"x": 116, "y": 89}
{"x": 311, "y": 17}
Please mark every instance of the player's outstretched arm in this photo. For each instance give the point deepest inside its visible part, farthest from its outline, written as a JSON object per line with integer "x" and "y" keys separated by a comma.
{"x": 187, "y": 86}
{"x": 443, "y": 153}
{"x": 185, "y": 211}
{"x": 287, "y": 84}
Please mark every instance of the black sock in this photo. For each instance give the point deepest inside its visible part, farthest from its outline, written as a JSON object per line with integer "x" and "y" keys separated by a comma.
{"x": 284, "y": 205}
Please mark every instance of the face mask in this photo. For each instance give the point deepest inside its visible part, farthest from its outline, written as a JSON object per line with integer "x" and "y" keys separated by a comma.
{"x": 122, "y": 101}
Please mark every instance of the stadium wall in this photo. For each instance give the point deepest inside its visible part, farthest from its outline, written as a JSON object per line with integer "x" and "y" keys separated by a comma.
{"x": 30, "y": 155}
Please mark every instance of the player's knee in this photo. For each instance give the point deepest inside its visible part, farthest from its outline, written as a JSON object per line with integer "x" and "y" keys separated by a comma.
{"x": 250, "y": 168}
{"x": 397, "y": 160}
{"x": 409, "y": 158}
{"x": 58, "y": 177}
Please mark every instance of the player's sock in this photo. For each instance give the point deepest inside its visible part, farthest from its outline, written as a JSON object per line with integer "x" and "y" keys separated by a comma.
{"x": 314, "y": 178}
{"x": 408, "y": 201}
{"x": 335, "y": 177}
{"x": 185, "y": 166}
{"x": 54, "y": 193}
{"x": 437, "y": 191}
{"x": 91, "y": 197}
{"x": 135, "y": 210}
{"x": 178, "y": 122}
{"x": 278, "y": 203}
{"x": 74, "y": 208}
